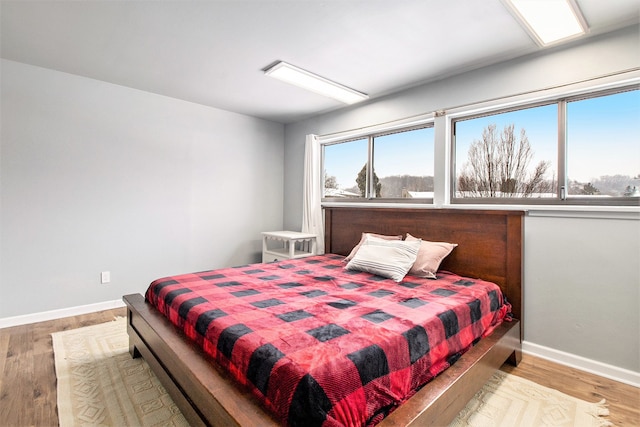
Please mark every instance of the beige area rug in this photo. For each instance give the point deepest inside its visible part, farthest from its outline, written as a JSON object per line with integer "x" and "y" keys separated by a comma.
{"x": 100, "y": 384}
{"x": 508, "y": 400}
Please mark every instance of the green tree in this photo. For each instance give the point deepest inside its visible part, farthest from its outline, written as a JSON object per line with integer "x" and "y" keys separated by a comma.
{"x": 589, "y": 189}
{"x": 361, "y": 180}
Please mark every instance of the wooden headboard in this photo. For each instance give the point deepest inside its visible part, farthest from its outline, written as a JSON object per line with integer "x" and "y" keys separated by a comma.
{"x": 489, "y": 241}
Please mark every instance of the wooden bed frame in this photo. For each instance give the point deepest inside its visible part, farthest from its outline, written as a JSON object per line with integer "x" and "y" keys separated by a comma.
{"x": 489, "y": 247}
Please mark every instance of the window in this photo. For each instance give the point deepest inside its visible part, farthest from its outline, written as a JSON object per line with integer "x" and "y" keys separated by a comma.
{"x": 581, "y": 150}
{"x": 402, "y": 166}
{"x": 508, "y": 155}
{"x": 342, "y": 164}
{"x": 603, "y": 146}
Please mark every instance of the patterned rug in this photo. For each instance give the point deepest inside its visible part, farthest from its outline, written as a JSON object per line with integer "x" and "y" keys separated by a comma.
{"x": 100, "y": 384}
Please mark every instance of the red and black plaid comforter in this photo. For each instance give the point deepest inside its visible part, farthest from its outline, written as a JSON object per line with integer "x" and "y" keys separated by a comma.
{"x": 319, "y": 345}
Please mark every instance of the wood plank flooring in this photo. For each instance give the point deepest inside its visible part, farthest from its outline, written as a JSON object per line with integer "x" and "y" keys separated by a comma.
{"x": 28, "y": 381}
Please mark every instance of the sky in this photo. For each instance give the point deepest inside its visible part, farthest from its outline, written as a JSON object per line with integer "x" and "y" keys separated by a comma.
{"x": 604, "y": 136}
{"x": 345, "y": 160}
{"x": 603, "y": 139}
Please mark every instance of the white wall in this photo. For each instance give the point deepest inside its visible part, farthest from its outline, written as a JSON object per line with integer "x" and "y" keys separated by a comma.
{"x": 582, "y": 287}
{"x": 98, "y": 177}
{"x": 581, "y": 274}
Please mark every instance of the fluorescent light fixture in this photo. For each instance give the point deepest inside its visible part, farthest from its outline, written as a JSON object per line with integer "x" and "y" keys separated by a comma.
{"x": 549, "y": 21}
{"x": 304, "y": 79}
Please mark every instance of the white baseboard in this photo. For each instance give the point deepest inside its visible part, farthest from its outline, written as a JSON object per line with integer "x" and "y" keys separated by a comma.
{"x": 578, "y": 362}
{"x": 58, "y": 314}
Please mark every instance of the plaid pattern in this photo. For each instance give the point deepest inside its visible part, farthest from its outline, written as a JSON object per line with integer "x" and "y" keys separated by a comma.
{"x": 323, "y": 346}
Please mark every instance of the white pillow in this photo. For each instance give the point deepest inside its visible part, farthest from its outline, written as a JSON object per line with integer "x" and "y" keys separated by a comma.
{"x": 386, "y": 258}
{"x": 364, "y": 237}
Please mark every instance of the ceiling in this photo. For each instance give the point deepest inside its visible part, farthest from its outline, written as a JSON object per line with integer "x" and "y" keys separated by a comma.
{"x": 213, "y": 52}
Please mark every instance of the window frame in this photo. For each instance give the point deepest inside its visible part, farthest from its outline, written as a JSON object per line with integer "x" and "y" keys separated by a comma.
{"x": 370, "y": 137}
{"x": 562, "y": 198}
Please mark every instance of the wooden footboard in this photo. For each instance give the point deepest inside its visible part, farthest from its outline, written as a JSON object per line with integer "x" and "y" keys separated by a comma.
{"x": 438, "y": 403}
{"x": 207, "y": 396}
{"x": 204, "y": 394}
{"x": 489, "y": 247}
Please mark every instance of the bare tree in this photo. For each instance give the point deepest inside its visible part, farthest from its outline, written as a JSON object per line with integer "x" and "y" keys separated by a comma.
{"x": 498, "y": 166}
{"x": 612, "y": 185}
{"x": 393, "y": 186}
{"x": 330, "y": 181}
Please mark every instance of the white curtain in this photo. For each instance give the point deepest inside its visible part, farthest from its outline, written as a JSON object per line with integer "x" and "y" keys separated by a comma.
{"x": 312, "y": 219}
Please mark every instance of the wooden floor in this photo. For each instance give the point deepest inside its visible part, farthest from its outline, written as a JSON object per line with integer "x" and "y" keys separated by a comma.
{"x": 28, "y": 381}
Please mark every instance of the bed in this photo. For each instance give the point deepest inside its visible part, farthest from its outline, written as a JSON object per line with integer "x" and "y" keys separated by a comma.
{"x": 489, "y": 248}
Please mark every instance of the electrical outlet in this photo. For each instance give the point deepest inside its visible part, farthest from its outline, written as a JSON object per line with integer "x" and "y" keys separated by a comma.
{"x": 105, "y": 277}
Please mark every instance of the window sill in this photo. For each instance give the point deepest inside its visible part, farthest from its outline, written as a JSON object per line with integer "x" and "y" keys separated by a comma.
{"x": 541, "y": 211}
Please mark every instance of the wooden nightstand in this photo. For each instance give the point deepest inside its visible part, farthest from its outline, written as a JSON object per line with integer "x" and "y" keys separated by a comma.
{"x": 279, "y": 245}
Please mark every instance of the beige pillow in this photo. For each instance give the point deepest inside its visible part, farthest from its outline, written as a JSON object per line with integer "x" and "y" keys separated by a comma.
{"x": 386, "y": 258}
{"x": 429, "y": 257}
{"x": 362, "y": 239}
